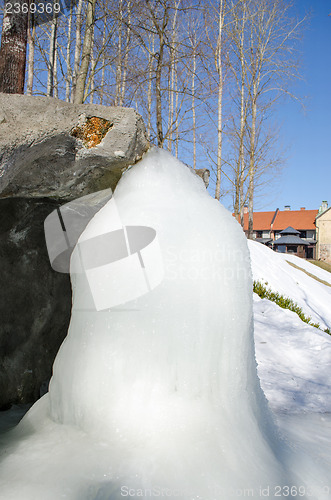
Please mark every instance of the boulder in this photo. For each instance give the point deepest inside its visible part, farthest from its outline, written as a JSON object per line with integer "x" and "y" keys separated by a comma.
{"x": 51, "y": 152}
{"x": 50, "y": 148}
{"x": 35, "y": 301}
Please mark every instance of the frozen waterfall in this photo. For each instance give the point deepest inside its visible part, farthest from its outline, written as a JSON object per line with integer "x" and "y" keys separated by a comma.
{"x": 155, "y": 389}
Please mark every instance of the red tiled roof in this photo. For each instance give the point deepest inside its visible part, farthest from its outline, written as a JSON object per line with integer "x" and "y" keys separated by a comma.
{"x": 299, "y": 219}
{"x": 261, "y": 220}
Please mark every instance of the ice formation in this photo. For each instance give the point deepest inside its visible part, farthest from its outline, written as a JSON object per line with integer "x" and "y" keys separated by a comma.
{"x": 157, "y": 395}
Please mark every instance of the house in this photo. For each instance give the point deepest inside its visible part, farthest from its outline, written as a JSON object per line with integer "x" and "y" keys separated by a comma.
{"x": 290, "y": 242}
{"x": 323, "y": 230}
{"x": 268, "y": 227}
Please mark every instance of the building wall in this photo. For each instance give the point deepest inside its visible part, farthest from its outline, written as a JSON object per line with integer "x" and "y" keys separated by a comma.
{"x": 311, "y": 234}
{"x": 323, "y": 225}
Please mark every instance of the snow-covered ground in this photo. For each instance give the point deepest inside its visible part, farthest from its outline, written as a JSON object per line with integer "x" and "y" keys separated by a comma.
{"x": 312, "y": 296}
{"x": 294, "y": 359}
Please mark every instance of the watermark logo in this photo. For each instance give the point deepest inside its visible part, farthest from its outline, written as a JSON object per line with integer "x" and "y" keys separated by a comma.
{"x": 120, "y": 262}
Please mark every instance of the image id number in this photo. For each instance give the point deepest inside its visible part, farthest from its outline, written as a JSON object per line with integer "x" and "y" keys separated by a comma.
{"x": 33, "y": 8}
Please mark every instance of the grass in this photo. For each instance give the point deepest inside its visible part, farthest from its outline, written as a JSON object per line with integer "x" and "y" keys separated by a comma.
{"x": 284, "y": 302}
{"x": 309, "y": 274}
{"x": 323, "y": 265}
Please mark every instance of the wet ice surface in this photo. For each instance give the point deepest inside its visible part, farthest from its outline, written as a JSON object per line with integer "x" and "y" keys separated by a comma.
{"x": 10, "y": 418}
{"x": 161, "y": 394}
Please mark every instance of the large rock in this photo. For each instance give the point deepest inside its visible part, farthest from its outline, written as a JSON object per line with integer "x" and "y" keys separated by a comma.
{"x": 51, "y": 148}
{"x": 50, "y": 152}
{"x": 35, "y": 301}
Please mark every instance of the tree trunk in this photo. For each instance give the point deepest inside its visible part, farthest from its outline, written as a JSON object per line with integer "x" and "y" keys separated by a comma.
{"x": 177, "y": 115}
{"x": 158, "y": 73}
{"x": 69, "y": 72}
{"x": 31, "y": 41}
{"x": 252, "y": 169}
{"x": 126, "y": 57}
{"x": 92, "y": 70}
{"x": 86, "y": 53}
{"x": 161, "y": 32}
{"x": 218, "y": 62}
{"x": 149, "y": 90}
{"x": 242, "y": 122}
{"x": 102, "y": 85}
{"x": 52, "y": 56}
{"x": 172, "y": 68}
{"x": 119, "y": 55}
{"x": 193, "y": 107}
{"x": 13, "y": 47}
{"x": 55, "y": 80}
{"x": 77, "y": 48}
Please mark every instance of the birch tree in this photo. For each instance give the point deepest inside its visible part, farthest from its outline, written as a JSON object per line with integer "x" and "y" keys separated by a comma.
{"x": 78, "y": 47}
{"x": 237, "y": 31}
{"x": 31, "y": 42}
{"x": 160, "y": 19}
{"x": 86, "y": 52}
{"x": 68, "y": 50}
{"x": 270, "y": 69}
{"x": 218, "y": 66}
{"x": 52, "y": 55}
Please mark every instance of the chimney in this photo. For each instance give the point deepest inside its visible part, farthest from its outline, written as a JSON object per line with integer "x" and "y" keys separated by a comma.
{"x": 245, "y": 209}
{"x": 287, "y": 208}
{"x": 303, "y": 208}
{"x": 324, "y": 206}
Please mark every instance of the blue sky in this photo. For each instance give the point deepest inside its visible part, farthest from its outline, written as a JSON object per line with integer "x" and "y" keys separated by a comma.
{"x": 306, "y": 178}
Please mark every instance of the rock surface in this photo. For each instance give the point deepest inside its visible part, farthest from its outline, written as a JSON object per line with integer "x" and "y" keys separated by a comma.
{"x": 51, "y": 148}
{"x": 35, "y": 301}
{"x": 51, "y": 152}
{"x": 204, "y": 173}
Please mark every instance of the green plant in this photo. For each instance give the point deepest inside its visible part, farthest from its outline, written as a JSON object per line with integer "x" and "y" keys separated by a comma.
{"x": 285, "y": 302}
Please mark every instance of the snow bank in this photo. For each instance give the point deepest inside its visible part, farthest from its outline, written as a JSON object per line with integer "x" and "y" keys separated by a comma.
{"x": 294, "y": 360}
{"x": 312, "y": 296}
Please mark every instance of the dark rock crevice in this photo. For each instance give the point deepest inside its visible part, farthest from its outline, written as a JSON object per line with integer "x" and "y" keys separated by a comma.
{"x": 35, "y": 301}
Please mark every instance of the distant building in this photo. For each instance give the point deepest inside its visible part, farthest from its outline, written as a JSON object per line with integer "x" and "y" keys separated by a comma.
{"x": 268, "y": 227}
{"x": 323, "y": 231}
{"x": 290, "y": 242}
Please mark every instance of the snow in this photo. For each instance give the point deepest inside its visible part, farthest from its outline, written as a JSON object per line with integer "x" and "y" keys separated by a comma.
{"x": 294, "y": 360}
{"x": 159, "y": 395}
{"x": 312, "y": 296}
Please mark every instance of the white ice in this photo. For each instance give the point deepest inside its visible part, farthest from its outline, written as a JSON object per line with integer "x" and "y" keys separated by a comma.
{"x": 160, "y": 396}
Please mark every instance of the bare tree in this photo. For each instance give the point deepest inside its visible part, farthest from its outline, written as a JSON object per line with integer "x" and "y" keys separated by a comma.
{"x": 270, "y": 69}
{"x": 52, "y": 55}
{"x": 151, "y": 49}
{"x": 236, "y": 32}
{"x": 78, "y": 47}
{"x": 218, "y": 65}
{"x": 172, "y": 73}
{"x": 68, "y": 62}
{"x": 86, "y": 52}
{"x": 31, "y": 42}
{"x": 160, "y": 19}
